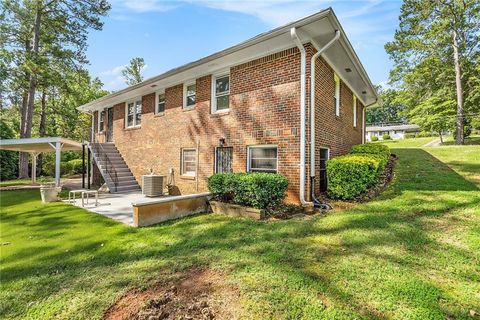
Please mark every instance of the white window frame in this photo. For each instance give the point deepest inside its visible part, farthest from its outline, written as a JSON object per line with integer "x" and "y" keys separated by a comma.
{"x": 336, "y": 79}
{"x": 135, "y": 100}
{"x": 214, "y": 91}
{"x": 182, "y": 161}
{"x": 328, "y": 158}
{"x": 260, "y": 146}
{"x": 156, "y": 102}
{"x": 185, "y": 85}
{"x": 99, "y": 117}
{"x": 355, "y": 120}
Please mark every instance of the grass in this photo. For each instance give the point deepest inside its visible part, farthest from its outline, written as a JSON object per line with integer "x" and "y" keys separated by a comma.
{"x": 16, "y": 182}
{"x": 407, "y": 143}
{"x": 413, "y": 253}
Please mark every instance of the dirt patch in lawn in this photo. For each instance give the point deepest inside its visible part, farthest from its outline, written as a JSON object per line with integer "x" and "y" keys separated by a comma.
{"x": 196, "y": 294}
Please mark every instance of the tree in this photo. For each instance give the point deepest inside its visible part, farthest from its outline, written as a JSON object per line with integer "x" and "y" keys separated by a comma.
{"x": 133, "y": 72}
{"x": 387, "y": 110}
{"x": 434, "y": 46}
{"x": 39, "y": 34}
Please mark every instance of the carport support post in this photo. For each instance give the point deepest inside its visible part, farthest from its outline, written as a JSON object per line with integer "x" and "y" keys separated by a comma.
{"x": 34, "y": 167}
{"x": 89, "y": 169}
{"x": 58, "y": 148}
{"x": 83, "y": 165}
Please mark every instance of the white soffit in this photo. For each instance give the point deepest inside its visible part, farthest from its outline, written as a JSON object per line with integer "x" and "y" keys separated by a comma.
{"x": 37, "y": 145}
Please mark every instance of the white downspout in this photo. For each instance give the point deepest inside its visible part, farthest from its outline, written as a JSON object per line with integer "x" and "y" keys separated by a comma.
{"x": 312, "y": 108}
{"x": 363, "y": 125}
{"x": 303, "y": 62}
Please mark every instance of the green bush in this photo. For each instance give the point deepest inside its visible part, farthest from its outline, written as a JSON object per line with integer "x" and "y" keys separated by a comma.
{"x": 371, "y": 148}
{"x": 386, "y": 137}
{"x": 410, "y": 135}
{"x": 351, "y": 175}
{"x": 258, "y": 190}
{"x": 49, "y": 168}
{"x": 74, "y": 166}
{"x": 374, "y": 138}
{"x": 425, "y": 134}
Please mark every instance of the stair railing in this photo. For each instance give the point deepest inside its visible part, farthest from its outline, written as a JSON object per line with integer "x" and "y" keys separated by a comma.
{"x": 107, "y": 165}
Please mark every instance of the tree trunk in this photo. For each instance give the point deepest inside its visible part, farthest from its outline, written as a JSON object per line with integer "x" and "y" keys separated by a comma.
{"x": 42, "y": 126}
{"x": 458, "y": 82}
{"x": 441, "y": 137}
{"x": 27, "y": 113}
{"x": 23, "y": 156}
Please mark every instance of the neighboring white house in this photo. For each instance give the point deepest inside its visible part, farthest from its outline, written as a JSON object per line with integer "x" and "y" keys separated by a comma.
{"x": 396, "y": 132}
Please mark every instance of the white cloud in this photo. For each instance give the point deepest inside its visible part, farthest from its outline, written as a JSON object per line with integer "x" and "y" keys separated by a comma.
{"x": 143, "y": 5}
{"x": 113, "y": 79}
{"x": 115, "y": 71}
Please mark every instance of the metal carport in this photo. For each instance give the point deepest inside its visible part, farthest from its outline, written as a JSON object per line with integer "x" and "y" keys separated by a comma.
{"x": 34, "y": 146}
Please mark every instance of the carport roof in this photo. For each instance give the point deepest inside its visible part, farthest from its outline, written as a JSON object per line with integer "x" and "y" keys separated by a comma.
{"x": 37, "y": 145}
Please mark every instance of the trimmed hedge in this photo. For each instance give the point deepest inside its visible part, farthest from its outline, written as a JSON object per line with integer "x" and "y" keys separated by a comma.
{"x": 386, "y": 137}
{"x": 374, "y": 138}
{"x": 75, "y": 166}
{"x": 352, "y": 174}
{"x": 258, "y": 190}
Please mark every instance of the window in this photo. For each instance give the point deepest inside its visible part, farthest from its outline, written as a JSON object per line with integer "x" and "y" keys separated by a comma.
{"x": 355, "y": 111}
{"x": 223, "y": 159}
{"x": 160, "y": 103}
{"x": 336, "y": 98}
{"x": 189, "y": 95}
{"x": 189, "y": 162}
{"x": 101, "y": 121}
{"x": 133, "y": 113}
{"x": 324, "y": 156}
{"x": 221, "y": 93}
{"x": 262, "y": 158}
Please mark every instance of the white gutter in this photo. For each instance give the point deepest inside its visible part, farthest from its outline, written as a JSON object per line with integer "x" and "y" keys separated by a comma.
{"x": 312, "y": 103}
{"x": 303, "y": 62}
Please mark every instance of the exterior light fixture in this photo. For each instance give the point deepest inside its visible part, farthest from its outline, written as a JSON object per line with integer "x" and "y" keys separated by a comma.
{"x": 221, "y": 142}
{"x": 348, "y": 69}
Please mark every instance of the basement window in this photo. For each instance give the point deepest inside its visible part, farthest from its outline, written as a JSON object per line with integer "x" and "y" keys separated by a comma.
{"x": 354, "y": 111}
{"x": 262, "y": 158}
{"x": 133, "y": 113}
{"x": 160, "y": 103}
{"x": 189, "y": 162}
{"x": 189, "y": 95}
{"x": 336, "y": 97}
{"x": 221, "y": 93}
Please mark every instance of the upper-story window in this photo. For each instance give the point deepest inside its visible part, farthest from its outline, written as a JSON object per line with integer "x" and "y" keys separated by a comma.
{"x": 133, "y": 113}
{"x": 189, "y": 95}
{"x": 160, "y": 102}
{"x": 336, "y": 98}
{"x": 101, "y": 121}
{"x": 221, "y": 93}
{"x": 355, "y": 111}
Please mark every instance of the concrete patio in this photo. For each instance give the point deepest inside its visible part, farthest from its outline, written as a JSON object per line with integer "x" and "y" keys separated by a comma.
{"x": 135, "y": 209}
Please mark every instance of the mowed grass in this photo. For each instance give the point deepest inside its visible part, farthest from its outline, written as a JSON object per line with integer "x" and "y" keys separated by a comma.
{"x": 407, "y": 143}
{"x": 413, "y": 253}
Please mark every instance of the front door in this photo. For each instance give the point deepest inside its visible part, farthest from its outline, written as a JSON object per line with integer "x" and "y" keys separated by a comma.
{"x": 223, "y": 159}
{"x": 109, "y": 124}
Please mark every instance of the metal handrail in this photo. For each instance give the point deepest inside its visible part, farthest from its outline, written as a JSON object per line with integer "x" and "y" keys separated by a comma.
{"x": 108, "y": 165}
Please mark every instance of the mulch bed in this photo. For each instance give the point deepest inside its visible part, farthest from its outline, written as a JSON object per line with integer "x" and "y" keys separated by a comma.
{"x": 195, "y": 294}
{"x": 287, "y": 211}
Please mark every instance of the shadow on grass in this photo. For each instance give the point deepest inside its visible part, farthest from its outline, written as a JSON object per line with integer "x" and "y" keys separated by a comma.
{"x": 292, "y": 262}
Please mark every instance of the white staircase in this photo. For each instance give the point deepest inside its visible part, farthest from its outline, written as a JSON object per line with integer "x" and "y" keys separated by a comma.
{"x": 113, "y": 168}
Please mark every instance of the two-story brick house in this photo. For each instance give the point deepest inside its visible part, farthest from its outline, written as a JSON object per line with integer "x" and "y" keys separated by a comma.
{"x": 246, "y": 108}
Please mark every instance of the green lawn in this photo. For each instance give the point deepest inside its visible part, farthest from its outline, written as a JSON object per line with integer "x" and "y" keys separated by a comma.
{"x": 413, "y": 253}
{"x": 16, "y": 182}
{"x": 407, "y": 143}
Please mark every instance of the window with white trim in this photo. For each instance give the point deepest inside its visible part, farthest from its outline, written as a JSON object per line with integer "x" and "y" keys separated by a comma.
{"x": 263, "y": 158}
{"x": 355, "y": 111}
{"x": 189, "y": 95}
{"x": 336, "y": 98}
{"x": 160, "y": 102}
{"x": 221, "y": 93}
{"x": 189, "y": 162}
{"x": 324, "y": 156}
{"x": 101, "y": 121}
{"x": 133, "y": 113}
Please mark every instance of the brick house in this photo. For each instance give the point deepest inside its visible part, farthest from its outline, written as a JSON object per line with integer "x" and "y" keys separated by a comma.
{"x": 246, "y": 108}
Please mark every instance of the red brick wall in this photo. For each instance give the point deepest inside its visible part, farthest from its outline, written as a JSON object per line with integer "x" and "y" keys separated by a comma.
{"x": 264, "y": 109}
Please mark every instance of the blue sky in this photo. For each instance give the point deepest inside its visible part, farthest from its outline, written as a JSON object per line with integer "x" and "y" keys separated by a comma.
{"x": 169, "y": 34}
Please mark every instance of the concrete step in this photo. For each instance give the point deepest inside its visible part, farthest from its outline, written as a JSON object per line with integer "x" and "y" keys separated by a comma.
{"x": 127, "y": 188}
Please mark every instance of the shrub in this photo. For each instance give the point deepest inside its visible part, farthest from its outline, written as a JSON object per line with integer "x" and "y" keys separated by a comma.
{"x": 386, "y": 137}
{"x": 351, "y": 175}
{"x": 258, "y": 190}
{"x": 379, "y": 151}
{"x": 410, "y": 135}
{"x": 425, "y": 134}
{"x": 74, "y": 166}
{"x": 49, "y": 168}
{"x": 374, "y": 138}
